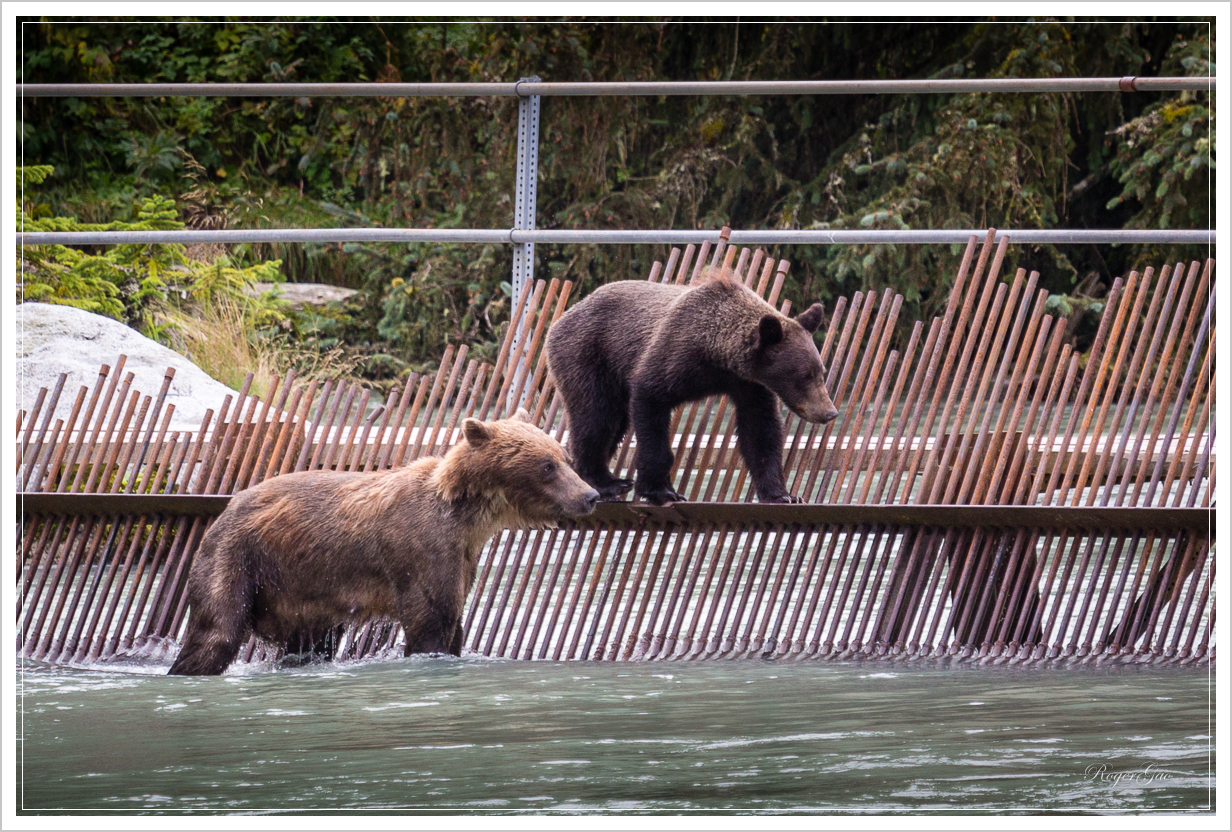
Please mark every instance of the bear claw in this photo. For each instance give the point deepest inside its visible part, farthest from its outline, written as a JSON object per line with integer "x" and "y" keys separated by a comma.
{"x": 662, "y": 496}
{"x": 614, "y": 490}
{"x": 784, "y": 498}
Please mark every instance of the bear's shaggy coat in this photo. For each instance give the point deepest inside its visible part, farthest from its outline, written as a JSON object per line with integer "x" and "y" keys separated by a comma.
{"x": 303, "y": 553}
{"x": 636, "y": 349}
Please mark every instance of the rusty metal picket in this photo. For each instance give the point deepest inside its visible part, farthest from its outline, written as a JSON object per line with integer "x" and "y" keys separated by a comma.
{"x": 985, "y": 494}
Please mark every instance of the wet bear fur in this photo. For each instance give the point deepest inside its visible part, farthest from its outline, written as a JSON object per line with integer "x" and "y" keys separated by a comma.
{"x": 633, "y": 350}
{"x": 306, "y": 552}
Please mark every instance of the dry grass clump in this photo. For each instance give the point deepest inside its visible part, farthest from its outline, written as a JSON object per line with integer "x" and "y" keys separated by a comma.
{"x": 222, "y": 338}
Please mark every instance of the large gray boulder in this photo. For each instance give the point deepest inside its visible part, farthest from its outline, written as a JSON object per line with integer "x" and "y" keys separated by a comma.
{"x": 54, "y": 339}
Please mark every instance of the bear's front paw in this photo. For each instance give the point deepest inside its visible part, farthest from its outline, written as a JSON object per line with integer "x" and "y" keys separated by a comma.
{"x": 784, "y": 498}
{"x": 615, "y": 490}
{"x": 661, "y": 496}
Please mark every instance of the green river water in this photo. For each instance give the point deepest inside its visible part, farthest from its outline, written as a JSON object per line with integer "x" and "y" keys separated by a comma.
{"x": 470, "y": 735}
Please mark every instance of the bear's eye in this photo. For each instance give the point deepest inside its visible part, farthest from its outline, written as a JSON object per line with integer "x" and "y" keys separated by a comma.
{"x": 548, "y": 468}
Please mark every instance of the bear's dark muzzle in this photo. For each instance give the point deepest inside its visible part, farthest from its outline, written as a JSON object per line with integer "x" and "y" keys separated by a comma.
{"x": 583, "y": 505}
{"x": 589, "y": 499}
{"x": 819, "y": 416}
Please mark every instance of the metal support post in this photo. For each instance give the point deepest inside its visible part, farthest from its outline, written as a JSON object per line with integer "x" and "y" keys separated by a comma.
{"x": 526, "y": 187}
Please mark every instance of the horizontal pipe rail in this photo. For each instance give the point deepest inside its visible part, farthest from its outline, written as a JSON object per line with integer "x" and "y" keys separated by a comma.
{"x": 568, "y": 236}
{"x": 580, "y": 88}
{"x": 699, "y": 514}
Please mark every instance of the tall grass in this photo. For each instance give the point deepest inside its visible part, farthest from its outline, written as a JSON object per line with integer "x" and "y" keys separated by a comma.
{"x": 220, "y": 338}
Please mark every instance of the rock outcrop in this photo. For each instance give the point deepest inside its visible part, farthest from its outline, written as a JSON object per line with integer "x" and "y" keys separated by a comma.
{"x": 53, "y": 339}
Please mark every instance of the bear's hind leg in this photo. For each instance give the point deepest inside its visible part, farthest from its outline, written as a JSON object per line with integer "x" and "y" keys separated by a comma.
{"x": 597, "y": 423}
{"x": 219, "y": 611}
{"x": 652, "y": 422}
{"x": 616, "y": 487}
{"x": 209, "y": 646}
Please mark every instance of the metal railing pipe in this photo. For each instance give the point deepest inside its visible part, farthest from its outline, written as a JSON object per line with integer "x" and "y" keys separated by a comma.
{"x": 856, "y": 87}
{"x": 269, "y": 235}
{"x": 259, "y": 90}
{"x": 870, "y": 236}
{"x": 575, "y": 236}
{"x": 583, "y": 88}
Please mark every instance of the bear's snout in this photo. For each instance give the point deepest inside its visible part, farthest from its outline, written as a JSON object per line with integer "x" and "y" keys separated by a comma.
{"x": 579, "y": 504}
{"x": 589, "y": 499}
{"x": 818, "y": 408}
{"x": 573, "y": 496}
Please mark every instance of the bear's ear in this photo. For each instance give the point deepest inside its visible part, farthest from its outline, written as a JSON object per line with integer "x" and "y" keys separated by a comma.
{"x": 769, "y": 332}
{"x": 477, "y": 432}
{"x": 522, "y": 415}
{"x": 810, "y": 318}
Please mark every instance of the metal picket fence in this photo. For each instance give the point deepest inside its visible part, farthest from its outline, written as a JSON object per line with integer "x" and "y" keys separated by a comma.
{"x": 986, "y": 493}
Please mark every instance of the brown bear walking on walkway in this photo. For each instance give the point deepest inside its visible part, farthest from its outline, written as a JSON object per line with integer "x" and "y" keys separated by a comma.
{"x": 302, "y": 553}
{"x": 634, "y": 350}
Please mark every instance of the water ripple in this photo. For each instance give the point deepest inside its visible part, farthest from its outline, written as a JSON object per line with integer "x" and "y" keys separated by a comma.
{"x": 578, "y": 738}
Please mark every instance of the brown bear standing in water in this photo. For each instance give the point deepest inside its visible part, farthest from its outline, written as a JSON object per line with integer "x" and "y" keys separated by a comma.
{"x": 302, "y": 553}
{"x": 636, "y": 349}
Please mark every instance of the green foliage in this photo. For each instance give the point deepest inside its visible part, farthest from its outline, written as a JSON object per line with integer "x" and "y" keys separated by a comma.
{"x": 1165, "y": 156}
{"x": 127, "y": 282}
{"x": 448, "y": 279}
{"x": 28, "y": 177}
{"x": 920, "y": 161}
{"x": 153, "y": 158}
{"x": 972, "y": 162}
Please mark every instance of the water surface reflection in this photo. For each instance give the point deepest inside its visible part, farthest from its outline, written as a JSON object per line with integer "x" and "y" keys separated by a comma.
{"x": 440, "y": 735}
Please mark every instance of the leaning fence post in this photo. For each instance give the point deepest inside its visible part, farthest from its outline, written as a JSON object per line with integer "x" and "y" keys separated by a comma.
{"x": 524, "y": 208}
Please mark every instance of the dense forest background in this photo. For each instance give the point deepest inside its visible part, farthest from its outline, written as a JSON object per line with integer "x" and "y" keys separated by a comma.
{"x": 1094, "y": 160}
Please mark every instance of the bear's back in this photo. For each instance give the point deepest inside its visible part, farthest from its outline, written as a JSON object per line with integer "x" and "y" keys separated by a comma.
{"x": 384, "y": 506}
{"x": 613, "y": 324}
